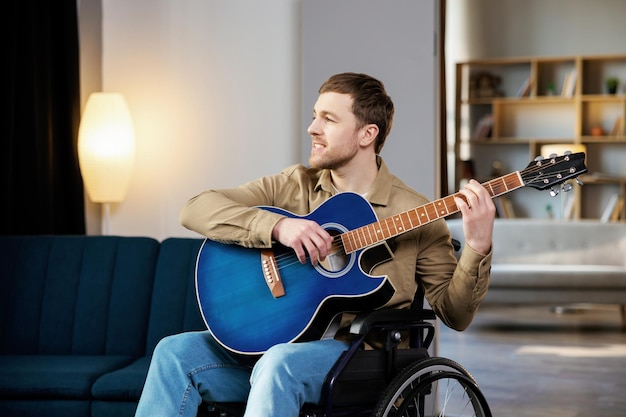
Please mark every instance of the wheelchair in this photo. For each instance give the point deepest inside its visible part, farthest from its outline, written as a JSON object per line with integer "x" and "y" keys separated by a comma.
{"x": 390, "y": 382}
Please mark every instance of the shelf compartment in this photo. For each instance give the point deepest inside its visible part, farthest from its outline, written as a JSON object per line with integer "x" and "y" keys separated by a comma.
{"x": 597, "y": 69}
{"x": 541, "y": 119}
{"x": 554, "y": 73}
{"x": 511, "y": 75}
{"x": 604, "y": 114}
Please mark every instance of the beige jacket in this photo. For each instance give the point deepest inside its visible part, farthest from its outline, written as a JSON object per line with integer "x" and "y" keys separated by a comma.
{"x": 454, "y": 291}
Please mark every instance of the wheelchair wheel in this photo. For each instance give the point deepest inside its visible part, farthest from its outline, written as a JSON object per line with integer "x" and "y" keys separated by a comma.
{"x": 432, "y": 387}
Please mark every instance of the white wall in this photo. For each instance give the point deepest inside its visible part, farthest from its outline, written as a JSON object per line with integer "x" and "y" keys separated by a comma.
{"x": 213, "y": 84}
{"x": 213, "y": 90}
{"x": 409, "y": 70}
{"x": 479, "y": 29}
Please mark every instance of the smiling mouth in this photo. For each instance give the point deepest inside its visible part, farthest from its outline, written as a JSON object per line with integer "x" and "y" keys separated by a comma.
{"x": 318, "y": 146}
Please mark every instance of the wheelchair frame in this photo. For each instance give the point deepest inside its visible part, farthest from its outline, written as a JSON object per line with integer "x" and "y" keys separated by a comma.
{"x": 389, "y": 382}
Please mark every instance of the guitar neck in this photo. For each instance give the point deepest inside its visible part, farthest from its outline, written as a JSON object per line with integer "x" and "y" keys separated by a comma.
{"x": 398, "y": 224}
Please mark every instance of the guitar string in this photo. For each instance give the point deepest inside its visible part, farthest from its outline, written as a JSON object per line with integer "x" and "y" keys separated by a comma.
{"x": 337, "y": 244}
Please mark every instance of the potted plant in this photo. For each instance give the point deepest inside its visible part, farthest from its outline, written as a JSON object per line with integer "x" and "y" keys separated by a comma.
{"x": 611, "y": 85}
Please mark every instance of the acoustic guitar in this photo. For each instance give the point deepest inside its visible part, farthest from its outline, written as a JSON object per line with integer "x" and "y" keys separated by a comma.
{"x": 252, "y": 299}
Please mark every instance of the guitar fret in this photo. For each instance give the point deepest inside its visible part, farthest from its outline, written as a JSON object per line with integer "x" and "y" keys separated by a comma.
{"x": 382, "y": 232}
{"x": 389, "y": 224}
{"x": 398, "y": 224}
{"x": 499, "y": 186}
{"x": 445, "y": 204}
{"x": 363, "y": 237}
{"x": 379, "y": 233}
{"x": 394, "y": 222}
{"x": 370, "y": 233}
{"x": 406, "y": 221}
{"x": 355, "y": 237}
{"x": 451, "y": 204}
{"x": 389, "y": 231}
{"x": 442, "y": 209}
{"x": 423, "y": 214}
{"x": 367, "y": 234}
{"x": 431, "y": 211}
{"x": 351, "y": 247}
{"x": 375, "y": 235}
{"x": 414, "y": 216}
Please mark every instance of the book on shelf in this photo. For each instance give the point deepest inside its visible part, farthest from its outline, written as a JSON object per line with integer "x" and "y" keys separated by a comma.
{"x": 524, "y": 89}
{"x": 483, "y": 127}
{"x": 610, "y": 208}
{"x": 568, "y": 206}
{"x": 569, "y": 84}
{"x": 618, "y": 127}
{"x": 617, "y": 210}
{"x": 504, "y": 207}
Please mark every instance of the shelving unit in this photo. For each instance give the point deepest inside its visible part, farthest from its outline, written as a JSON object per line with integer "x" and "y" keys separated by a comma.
{"x": 506, "y": 110}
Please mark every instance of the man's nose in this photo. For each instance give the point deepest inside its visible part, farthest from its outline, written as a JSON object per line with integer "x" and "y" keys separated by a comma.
{"x": 313, "y": 127}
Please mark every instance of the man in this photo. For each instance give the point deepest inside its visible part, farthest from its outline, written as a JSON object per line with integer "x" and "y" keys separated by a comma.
{"x": 351, "y": 120}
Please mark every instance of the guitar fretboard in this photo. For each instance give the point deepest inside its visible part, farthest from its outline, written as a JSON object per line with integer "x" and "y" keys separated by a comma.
{"x": 398, "y": 224}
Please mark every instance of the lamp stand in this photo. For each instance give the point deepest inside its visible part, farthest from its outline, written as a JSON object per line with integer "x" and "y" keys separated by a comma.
{"x": 106, "y": 218}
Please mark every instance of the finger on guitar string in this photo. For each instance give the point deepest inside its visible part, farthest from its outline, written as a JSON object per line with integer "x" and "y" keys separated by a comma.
{"x": 304, "y": 237}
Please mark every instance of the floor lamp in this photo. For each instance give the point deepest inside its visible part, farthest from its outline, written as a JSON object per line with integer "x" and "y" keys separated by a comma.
{"x": 106, "y": 151}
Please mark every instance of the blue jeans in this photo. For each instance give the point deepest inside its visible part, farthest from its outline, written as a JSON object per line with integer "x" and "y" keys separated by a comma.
{"x": 190, "y": 367}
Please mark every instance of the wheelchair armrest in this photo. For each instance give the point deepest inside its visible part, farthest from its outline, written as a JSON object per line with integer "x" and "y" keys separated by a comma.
{"x": 401, "y": 319}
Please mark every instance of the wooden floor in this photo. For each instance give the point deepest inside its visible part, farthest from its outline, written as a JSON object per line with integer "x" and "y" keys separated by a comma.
{"x": 534, "y": 361}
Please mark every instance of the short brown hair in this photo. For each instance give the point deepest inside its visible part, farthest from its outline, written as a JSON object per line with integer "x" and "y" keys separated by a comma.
{"x": 371, "y": 104}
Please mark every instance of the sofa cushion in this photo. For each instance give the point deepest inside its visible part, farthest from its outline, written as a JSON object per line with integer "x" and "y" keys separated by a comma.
{"x": 47, "y": 407}
{"x": 75, "y": 294}
{"x": 124, "y": 384}
{"x": 541, "y": 276}
{"x": 54, "y": 376}
{"x": 543, "y": 261}
{"x": 174, "y": 309}
{"x": 174, "y": 306}
{"x": 559, "y": 242}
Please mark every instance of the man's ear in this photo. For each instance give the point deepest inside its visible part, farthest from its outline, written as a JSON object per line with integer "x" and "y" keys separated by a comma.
{"x": 368, "y": 134}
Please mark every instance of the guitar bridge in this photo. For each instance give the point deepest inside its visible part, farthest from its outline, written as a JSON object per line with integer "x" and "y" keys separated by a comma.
{"x": 271, "y": 274}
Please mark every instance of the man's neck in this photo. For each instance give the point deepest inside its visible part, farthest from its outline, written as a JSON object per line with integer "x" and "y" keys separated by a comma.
{"x": 355, "y": 178}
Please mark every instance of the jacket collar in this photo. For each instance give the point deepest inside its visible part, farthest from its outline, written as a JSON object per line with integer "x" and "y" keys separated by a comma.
{"x": 379, "y": 192}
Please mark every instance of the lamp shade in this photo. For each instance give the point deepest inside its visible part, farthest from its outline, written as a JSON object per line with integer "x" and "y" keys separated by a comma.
{"x": 106, "y": 147}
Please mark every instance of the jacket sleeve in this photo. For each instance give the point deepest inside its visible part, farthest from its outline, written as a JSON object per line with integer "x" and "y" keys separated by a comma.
{"x": 232, "y": 216}
{"x": 454, "y": 289}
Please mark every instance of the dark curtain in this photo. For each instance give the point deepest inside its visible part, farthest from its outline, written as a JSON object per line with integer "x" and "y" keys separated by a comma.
{"x": 40, "y": 184}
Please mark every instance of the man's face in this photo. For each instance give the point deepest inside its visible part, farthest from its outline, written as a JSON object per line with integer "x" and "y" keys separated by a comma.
{"x": 333, "y": 131}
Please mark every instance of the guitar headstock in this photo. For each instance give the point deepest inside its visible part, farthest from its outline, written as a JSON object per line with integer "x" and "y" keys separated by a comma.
{"x": 545, "y": 173}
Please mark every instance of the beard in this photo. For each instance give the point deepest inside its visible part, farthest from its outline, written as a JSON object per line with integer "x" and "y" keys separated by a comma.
{"x": 333, "y": 158}
{"x": 332, "y": 163}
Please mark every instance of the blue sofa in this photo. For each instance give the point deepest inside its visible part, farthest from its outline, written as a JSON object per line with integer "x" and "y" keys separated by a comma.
{"x": 81, "y": 315}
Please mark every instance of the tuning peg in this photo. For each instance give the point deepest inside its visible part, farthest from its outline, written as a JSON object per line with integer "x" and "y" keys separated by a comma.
{"x": 539, "y": 158}
{"x": 553, "y": 155}
{"x": 553, "y": 192}
{"x": 579, "y": 181}
{"x": 567, "y": 187}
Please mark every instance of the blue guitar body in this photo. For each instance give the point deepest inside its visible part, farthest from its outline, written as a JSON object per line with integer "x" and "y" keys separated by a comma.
{"x": 239, "y": 308}
{"x": 247, "y": 315}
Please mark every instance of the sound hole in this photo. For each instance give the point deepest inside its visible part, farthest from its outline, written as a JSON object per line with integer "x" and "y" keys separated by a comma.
{"x": 337, "y": 260}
